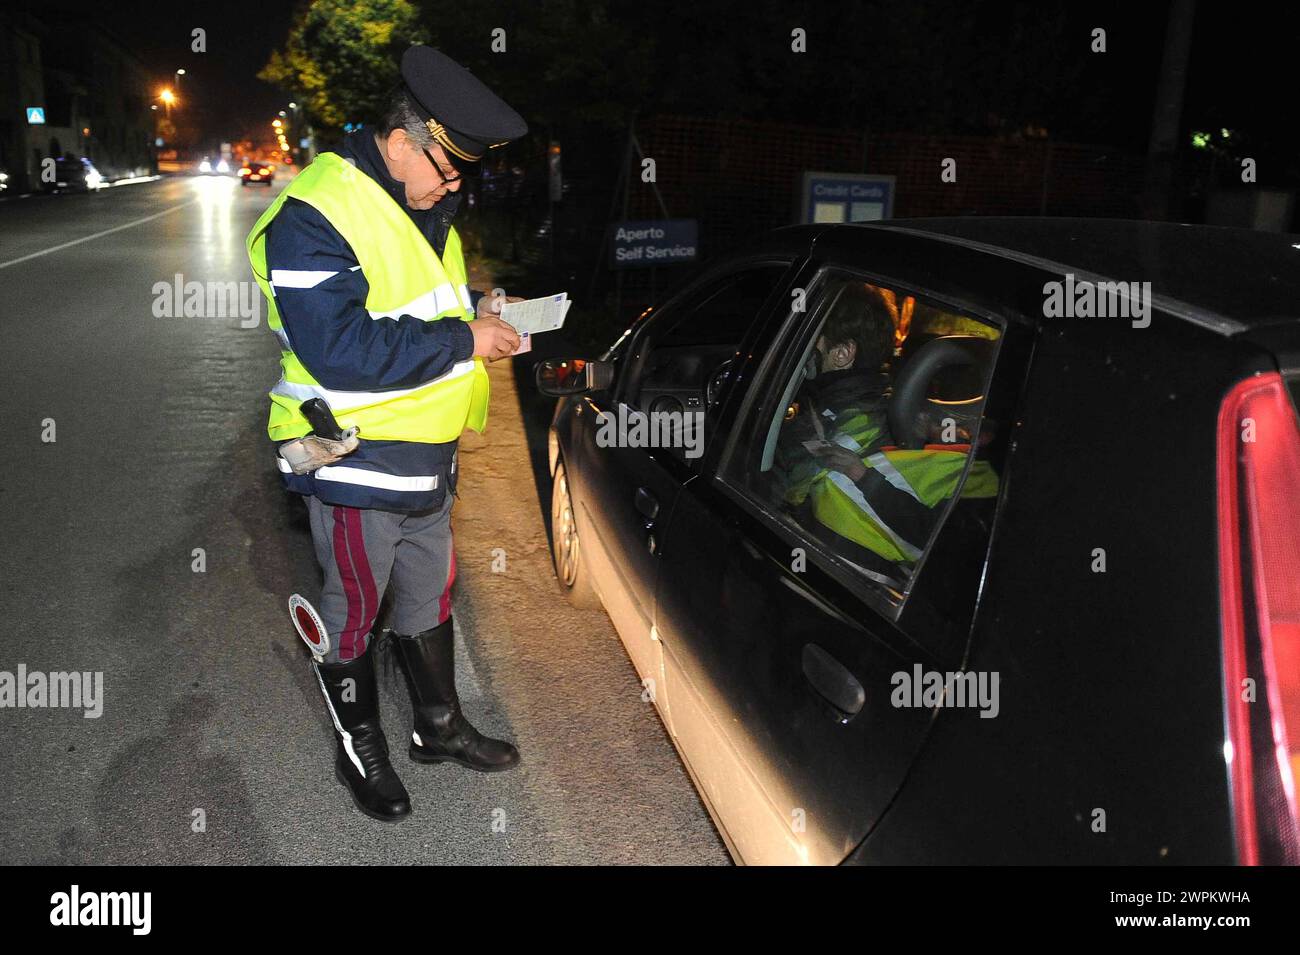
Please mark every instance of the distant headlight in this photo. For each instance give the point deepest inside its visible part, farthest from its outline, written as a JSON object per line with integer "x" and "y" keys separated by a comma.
{"x": 223, "y": 166}
{"x": 205, "y": 166}
{"x": 94, "y": 180}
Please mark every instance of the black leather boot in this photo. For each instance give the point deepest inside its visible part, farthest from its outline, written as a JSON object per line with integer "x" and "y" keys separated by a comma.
{"x": 362, "y": 761}
{"x": 442, "y": 733}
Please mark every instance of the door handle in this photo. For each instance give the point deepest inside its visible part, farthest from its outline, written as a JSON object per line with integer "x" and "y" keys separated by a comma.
{"x": 833, "y": 682}
{"x": 647, "y": 505}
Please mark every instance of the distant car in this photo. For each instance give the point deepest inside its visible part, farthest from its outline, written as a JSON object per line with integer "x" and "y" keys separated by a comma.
{"x": 256, "y": 172}
{"x": 74, "y": 175}
{"x": 1076, "y": 641}
{"x": 219, "y": 168}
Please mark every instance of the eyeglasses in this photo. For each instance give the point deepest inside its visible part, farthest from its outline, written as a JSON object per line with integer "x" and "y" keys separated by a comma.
{"x": 446, "y": 181}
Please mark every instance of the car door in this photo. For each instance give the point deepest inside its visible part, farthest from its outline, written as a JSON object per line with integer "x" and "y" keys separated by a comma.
{"x": 626, "y": 488}
{"x": 782, "y": 655}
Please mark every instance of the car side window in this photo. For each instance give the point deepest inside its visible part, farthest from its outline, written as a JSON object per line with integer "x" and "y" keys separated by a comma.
{"x": 678, "y": 363}
{"x": 869, "y": 429}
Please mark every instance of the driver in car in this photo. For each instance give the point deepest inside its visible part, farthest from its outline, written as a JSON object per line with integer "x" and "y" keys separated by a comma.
{"x": 836, "y": 457}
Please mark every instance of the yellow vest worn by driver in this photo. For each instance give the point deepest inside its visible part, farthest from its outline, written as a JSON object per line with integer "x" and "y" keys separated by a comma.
{"x": 893, "y": 519}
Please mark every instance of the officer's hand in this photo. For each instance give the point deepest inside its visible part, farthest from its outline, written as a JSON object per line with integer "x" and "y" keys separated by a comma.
{"x": 489, "y": 306}
{"x": 493, "y": 338}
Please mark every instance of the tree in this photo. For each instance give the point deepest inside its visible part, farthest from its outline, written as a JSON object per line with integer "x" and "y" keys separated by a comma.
{"x": 341, "y": 58}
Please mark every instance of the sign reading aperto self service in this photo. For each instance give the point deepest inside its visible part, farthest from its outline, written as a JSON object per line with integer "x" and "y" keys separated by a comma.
{"x": 654, "y": 242}
{"x": 845, "y": 197}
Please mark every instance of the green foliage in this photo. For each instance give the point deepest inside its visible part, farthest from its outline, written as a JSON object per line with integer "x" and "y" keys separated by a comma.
{"x": 341, "y": 58}
{"x": 870, "y": 63}
{"x": 565, "y": 60}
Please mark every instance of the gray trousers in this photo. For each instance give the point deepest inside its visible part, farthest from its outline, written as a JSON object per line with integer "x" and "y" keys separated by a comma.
{"x": 362, "y": 551}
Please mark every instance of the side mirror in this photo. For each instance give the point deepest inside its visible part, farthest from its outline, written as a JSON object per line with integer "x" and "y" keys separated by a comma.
{"x": 561, "y": 377}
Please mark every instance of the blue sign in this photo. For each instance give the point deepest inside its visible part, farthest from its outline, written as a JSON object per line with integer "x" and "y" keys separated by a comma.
{"x": 654, "y": 242}
{"x": 845, "y": 197}
{"x": 36, "y": 115}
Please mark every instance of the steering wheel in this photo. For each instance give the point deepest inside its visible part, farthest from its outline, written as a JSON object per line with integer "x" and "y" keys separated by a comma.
{"x": 911, "y": 386}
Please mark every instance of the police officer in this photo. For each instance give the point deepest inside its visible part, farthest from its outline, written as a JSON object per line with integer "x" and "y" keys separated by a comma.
{"x": 367, "y": 294}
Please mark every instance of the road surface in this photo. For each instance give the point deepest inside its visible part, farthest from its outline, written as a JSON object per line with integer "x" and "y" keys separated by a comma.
{"x": 150, "y": 541}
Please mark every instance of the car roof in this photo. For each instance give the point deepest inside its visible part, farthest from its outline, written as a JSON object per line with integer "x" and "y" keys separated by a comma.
{"x": 1243, "y": 277}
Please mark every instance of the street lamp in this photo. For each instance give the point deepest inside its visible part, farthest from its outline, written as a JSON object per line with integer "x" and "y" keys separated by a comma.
{"x": 300, "y": 128}
{"x": 168, "y": 98}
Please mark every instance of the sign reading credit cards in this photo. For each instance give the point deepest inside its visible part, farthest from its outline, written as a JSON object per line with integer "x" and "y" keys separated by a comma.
{"x": 845, "y": 197}
{"x": 654, "y": 242}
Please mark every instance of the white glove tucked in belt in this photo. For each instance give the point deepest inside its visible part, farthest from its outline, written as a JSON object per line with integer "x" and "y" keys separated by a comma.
{"x": 311, "y": 451}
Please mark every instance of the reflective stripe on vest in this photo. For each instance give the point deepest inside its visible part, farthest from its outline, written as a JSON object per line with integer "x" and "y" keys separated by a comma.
{"x": 438, "y": 301}
{"x": 906, "y": 550}
{"x": 368, "y": 478}
{"x": 344, "y": 401}
{"x": 880, "y": 461}
{"x": 927, "y": 476}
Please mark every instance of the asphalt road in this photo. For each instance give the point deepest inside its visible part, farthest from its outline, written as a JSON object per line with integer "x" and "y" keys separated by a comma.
{"x": 213, "y": 745}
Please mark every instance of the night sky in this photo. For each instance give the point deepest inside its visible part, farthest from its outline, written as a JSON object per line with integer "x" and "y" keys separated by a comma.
{"x": 222, "y": 82}
{"x": 1242, "y": 64}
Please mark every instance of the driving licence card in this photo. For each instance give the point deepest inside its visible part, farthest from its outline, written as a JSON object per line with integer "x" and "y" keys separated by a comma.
{"x": 536, "y": 314}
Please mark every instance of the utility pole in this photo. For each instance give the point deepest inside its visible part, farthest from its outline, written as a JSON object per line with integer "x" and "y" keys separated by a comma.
{"x": 1162, "y": 154}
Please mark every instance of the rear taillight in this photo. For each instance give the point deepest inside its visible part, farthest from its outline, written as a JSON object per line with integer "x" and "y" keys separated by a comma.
{"x": 1259, "y": 574}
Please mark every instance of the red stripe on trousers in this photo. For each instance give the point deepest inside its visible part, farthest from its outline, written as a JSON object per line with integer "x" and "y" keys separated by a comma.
{"x": 444, "y": 602}
{"x": 358, "y": 582}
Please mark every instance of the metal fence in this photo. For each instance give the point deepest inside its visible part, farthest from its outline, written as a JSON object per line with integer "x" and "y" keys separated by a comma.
{"x": 739, "y": 178}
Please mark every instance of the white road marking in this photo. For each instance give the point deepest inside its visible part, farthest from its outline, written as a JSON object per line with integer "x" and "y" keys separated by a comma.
{"x": 97, "y": 235}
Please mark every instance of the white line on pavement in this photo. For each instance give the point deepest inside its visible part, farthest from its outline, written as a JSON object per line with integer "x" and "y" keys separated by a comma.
{"x": 97, "y": 235}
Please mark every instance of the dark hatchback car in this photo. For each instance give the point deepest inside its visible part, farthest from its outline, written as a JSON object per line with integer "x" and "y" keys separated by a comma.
{"x": 1033, "y": 595}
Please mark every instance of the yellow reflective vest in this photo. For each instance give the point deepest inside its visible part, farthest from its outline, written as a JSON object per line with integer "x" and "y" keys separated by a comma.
{"x": 406, "y": 277}
{"x": 918, "y": 482}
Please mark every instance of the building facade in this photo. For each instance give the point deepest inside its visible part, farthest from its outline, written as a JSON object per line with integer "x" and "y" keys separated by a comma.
{"x": 70, "y": 89}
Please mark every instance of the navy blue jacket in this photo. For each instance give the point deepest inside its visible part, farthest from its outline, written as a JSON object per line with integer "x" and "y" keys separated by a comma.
{"x": 320, "y": 292}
